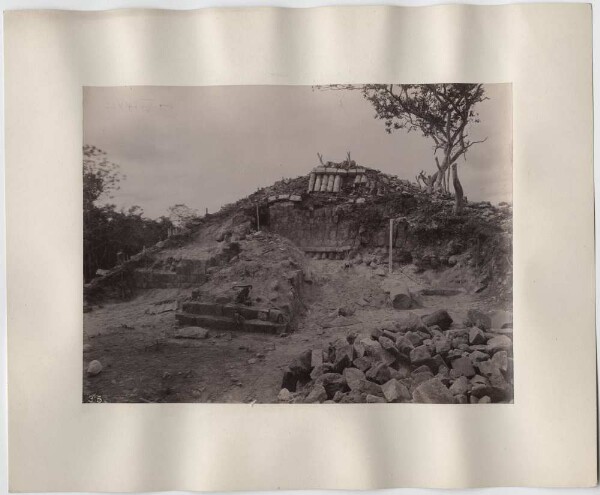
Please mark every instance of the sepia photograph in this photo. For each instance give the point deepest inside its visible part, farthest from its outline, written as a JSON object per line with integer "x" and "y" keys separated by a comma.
{"x": 338, "y": 244}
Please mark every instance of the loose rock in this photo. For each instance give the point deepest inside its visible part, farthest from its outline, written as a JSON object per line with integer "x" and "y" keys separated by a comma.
{"x": 354, "y": 378}
{"x": 411, "y": 322}
{"x": 500, "y": 343}
{"x": 301, "y": 366}
{"x": 462, "y": 367}
{"x": 420, "y": 355}
{"x": 476, "y": 336}
{"x": 479, "y": 319}
{"x": 441, "y": 318}
{"x": 94, "y": 368}
{"x": 460, "y": 386}
{"x": 363, "y": 363}
{"x": 332, "y": 382}
{"x": 317, "y": 394}
{"x": 191, "y": 333}
{"x": 394, "y": 391}
{"x": 284, "y": 395}
{"x": 433, "y": 392}
{"x": 380, "y": 373}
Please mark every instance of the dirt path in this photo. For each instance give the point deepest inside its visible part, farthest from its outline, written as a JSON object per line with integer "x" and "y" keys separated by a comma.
{"x": 142, "y": 362}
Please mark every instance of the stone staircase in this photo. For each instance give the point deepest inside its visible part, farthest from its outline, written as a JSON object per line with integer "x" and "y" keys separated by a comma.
{"x": 232, "y": 317}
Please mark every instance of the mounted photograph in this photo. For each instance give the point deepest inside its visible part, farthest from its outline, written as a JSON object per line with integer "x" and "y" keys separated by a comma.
{"x": 338, "y": 244}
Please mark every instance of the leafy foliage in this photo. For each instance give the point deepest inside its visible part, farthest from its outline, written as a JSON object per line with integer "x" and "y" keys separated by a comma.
{"x": 100, "y": 176}
{"x": 181, "y": 214}
{"x": 110, "y": 234}
{"x": 442, "y": 112}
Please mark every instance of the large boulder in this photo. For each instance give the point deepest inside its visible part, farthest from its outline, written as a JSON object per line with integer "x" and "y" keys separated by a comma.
{"x": 441, "y": 318}
{"x": 372, "y": 348}
{"x": 433, "y": 391}
{"x": 343, "y": 358}
{"x": 389, "y": 358}
{"x": 363, "y": 363}
{"x": 317, "y": 394}
{"x": 316, "y": 358}
{"x": 191, "y": 333}
{"x": 460, "y": 386}
{"x": 399, "y": 295}
{"x": 501, "y": 360}
{"x": 359, "y": 349}
{"x": 395, "y": 391}
{"x": 411, "y": 322}
{"x": 497, "y": 388}
{"x": 477, "y": 356}
{"x": 442, "y": 345}
{"x": 321, "y": 369}
{"x": 404, "y": 345}
{"x": 462, "y": 367}
{"x": 499, "y": 343}
{"x": 332, "y": 383}
{"x": 94, "y": 368}
{"x": 479, "y": 319}
{"x": 284, "y": 395}
{"x": 416, "y": 338}
{"x": 380, "y": 373}
{"x": 388, "y": 344}
{"x": 289, "y": 381}
{"x": 401, "y": 298}
{"x": 477, "y": 336}
{"x": 500, "y": 319}
{"x": 420, "y": 355}
{"x": 301, "y": 365}
{"x": 369, "y": 387}
{"x": 354, "y": 378}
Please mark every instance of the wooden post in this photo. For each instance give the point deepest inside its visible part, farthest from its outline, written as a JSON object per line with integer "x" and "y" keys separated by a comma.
{"x": 257, "y": 219}
{"x": 391, "y": 242}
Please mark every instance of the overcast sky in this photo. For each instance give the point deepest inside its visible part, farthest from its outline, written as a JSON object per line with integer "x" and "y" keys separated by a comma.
{"x": 208, "y": 146}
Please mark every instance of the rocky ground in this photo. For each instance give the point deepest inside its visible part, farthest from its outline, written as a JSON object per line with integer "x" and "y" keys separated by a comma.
{"x": 350, "y": 345}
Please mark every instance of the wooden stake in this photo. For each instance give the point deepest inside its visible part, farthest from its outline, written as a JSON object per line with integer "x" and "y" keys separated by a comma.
{"x": 391, "y": 241}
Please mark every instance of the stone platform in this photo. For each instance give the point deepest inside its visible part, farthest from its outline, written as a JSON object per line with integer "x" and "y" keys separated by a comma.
{"x": 232, "y": 317}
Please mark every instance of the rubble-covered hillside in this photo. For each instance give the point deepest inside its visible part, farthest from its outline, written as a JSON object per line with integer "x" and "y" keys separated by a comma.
{"x": 354, "y": 223}
{"x": 306, "y": 262}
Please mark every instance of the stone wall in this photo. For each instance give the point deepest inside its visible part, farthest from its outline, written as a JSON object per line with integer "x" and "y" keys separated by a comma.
{"x": 341, "y": 228}
{"x": 337, "y": 229}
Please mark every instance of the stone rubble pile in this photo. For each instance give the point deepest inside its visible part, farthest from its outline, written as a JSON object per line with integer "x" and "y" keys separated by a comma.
{"x": 421, "y": 360}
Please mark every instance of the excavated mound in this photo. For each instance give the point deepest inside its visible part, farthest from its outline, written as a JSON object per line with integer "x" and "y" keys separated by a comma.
{"x": 472, "y": 250}
{"x": 291, "y": 257}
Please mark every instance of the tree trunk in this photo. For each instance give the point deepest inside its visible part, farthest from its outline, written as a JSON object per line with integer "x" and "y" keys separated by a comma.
{"x": 440, "y": 176}
{"x": 458, "y": 191}
{"x": 441, "y": 184}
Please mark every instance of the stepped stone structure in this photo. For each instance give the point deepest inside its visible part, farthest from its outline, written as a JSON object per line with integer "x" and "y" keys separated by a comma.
{"x": 232, "y": 317}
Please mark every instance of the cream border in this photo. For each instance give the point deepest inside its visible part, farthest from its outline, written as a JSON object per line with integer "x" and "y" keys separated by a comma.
{"x": 547, "y": 438}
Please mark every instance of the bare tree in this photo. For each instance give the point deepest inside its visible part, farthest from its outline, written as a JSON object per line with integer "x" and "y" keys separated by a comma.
{"x": 442, "y": 112}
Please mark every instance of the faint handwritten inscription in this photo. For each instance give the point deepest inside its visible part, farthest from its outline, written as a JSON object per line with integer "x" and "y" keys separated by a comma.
{"x": 144, "y": 105}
